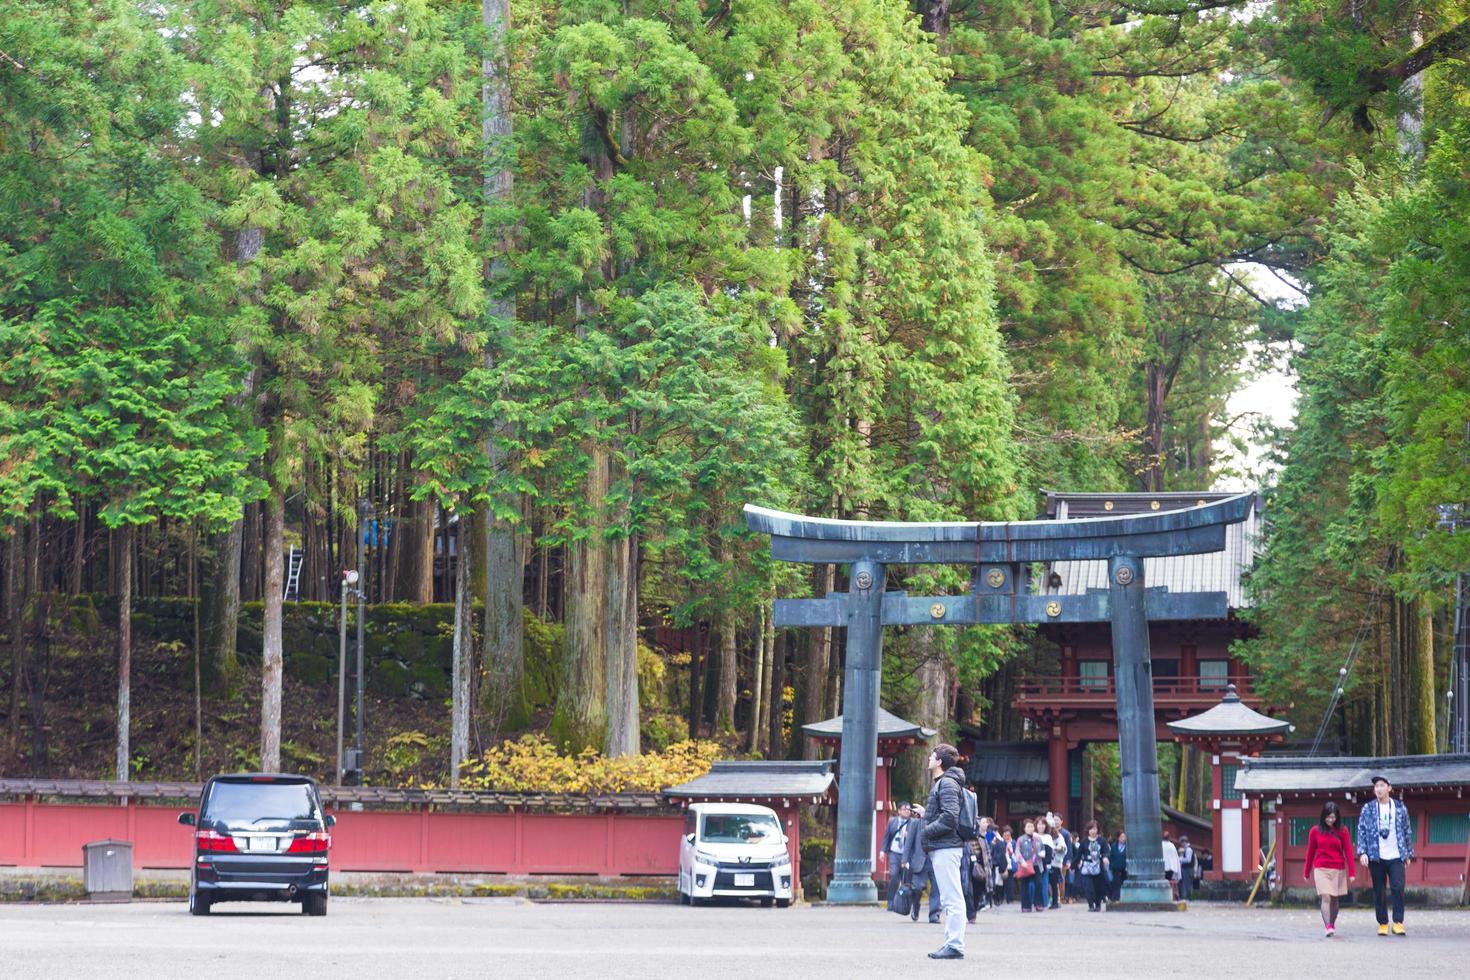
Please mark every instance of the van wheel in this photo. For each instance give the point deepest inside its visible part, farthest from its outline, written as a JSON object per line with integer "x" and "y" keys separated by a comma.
{"x": 767, "y": 902}
{"x": 783, "y": 903}
{"x": 198, "y": 904}
{"x": 683, "y": 899}
{"x": 315, "y": 903}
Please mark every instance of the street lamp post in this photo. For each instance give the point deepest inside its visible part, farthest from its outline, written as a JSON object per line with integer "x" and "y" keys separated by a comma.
{"x": 365, "y": 515}
{"x": 349, "y": 583}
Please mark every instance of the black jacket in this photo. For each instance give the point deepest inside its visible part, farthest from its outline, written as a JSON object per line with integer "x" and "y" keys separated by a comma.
{"x": 913, "y": 854}
{"x": 942, "y": 814}
{"x": 1120, "y": 858}
{"x": 1092, "y": 850}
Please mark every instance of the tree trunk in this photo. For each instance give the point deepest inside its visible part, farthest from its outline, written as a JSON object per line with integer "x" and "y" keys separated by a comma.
{"x": 622, "y": 648}
{"x": 463, "y": 657}
{"x": 776, "y": 740}
{"x": 504, "y": 600}
{"x": 251, "y": 555}
{"x": 1425, "y": 726}
{"x": 34, "y": 620}
{"x": 759, "y": 685}
{"x": 79, "y": 551}
{"x": 124, "y": 647}
{"x": 696, "y": 682}
{"x": 728, "y": 677}
{"x": 15, "y": 627}
{"x": 935, "y": 676}
{"x": 1153, "y": 430}
{"x": 415, "y": 579}
{"x": 580, "y": 719}
{"x": 813, "y": 679}
{"x": 271, "y": 656}
{"x": 219, "y": 604}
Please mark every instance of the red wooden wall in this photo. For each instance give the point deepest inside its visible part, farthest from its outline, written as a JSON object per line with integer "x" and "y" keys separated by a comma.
{"x": 425, "y": 842}
{"x": 1434, "y": 865}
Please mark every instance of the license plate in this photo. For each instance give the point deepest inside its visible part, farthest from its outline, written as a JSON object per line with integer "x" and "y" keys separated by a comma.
{"x": 263, "y": 844}
{"x": 745, "y": 881}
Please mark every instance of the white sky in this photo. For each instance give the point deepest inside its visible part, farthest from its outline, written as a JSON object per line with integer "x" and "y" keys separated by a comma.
{"x": 1271, "y": 396}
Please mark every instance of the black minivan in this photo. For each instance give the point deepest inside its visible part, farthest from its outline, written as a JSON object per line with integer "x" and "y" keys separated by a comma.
{"x": 260, "y": 837}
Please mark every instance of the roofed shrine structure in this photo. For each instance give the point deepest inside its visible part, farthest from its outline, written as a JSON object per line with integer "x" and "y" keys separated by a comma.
{"x": 894, "y": 735}
{"x": 1231, "y": 731}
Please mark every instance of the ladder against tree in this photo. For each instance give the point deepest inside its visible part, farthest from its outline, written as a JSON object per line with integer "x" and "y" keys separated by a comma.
{"x": 293, "y": 575}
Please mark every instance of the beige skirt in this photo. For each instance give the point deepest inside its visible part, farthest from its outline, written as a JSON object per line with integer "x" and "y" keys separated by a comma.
{"x": 1330, "y": 881}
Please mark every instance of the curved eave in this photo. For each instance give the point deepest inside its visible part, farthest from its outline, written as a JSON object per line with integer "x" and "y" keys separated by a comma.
{"x": 783, "y": 524}
{"x": 1199, "y": 530}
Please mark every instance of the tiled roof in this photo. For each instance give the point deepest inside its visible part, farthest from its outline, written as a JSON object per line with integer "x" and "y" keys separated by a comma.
{"x": 1286, "y": 774}
{"x": 1219, "y": 571}
{"x": 1185, "y": 819}
{"x": 889, "y": 726}
{"x": 1008, "y": 764}
{"x": 370, "y": 796}
{"x": 1230, "y": 717}
{"x": 758, "y": 780}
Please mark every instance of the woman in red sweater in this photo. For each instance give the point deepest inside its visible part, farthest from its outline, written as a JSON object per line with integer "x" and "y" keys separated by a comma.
{"x": 1329, "y": 863}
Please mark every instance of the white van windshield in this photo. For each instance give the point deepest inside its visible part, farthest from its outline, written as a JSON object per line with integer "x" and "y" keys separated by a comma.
{"x": 741, "y": 828}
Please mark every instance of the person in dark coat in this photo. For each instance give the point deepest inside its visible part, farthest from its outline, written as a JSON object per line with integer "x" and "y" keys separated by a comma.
{"x": 1000, "y": 868}
{"x": 892, "y": 848}
{"x": 1119, "y": 863}
{"x": 1093, "y": 862}
{"x": 916, "y": 868}
{"x": 945, "y": 846}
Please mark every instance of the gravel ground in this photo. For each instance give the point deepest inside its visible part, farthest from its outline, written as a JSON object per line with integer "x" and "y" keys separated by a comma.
{"x": 367, "y": 939}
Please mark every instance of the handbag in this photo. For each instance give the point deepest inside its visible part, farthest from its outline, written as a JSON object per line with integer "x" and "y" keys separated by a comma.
{"x": 903, "y": 900}
{"x": 1024, "y": 868}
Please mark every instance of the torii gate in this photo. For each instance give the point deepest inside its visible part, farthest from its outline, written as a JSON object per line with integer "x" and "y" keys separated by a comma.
{"x": 1001, "y": 554}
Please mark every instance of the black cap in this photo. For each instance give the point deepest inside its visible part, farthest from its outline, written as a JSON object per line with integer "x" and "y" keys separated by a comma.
{"x": 1382, "y": 779}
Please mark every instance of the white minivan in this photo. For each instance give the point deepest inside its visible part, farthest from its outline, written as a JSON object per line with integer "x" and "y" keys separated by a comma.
{"x": 734, "y": 850}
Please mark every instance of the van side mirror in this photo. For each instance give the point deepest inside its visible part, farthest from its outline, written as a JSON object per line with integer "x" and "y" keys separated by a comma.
{"x": 689, "y": 838}
{"x": 331, "y": 820}
{"x": 187, "y": 819}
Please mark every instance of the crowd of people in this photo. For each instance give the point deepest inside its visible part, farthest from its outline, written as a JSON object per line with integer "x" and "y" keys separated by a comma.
{"x": 1044, "y": 867}
{"x": 964, "y": 863}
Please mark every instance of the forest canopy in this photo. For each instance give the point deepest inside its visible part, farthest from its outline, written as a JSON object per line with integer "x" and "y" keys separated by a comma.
{"x": 527, "y": 299}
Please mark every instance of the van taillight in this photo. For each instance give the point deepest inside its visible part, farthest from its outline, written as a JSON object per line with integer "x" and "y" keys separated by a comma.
{"x": 314, "y": 843}
{"x": 209, "y": 840}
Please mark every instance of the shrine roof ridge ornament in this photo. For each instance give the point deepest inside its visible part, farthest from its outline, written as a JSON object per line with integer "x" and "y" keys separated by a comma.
{"x": 1196, "y": 530}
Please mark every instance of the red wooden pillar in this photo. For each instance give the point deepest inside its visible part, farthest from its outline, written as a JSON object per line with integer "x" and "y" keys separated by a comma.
{"x": 883, "y": 779}
{"x": 1058, "y": 774}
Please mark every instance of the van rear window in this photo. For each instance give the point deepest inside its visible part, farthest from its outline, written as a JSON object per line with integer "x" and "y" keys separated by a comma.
{"x": 240, "y": 805}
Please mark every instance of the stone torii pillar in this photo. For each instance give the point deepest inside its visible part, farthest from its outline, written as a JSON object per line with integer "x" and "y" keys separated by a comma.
{"x": 1001, "y": 555}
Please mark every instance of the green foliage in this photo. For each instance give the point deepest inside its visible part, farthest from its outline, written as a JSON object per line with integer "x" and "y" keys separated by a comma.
{"x": 123, "y": 409}
{"x": 1381, "y": 435}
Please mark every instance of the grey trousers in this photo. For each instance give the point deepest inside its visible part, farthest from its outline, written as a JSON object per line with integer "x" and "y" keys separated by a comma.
{"x": 946, "y": 865}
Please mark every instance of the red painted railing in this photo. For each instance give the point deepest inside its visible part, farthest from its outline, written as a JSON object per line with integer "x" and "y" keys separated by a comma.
{"x": 1101, "y": 688}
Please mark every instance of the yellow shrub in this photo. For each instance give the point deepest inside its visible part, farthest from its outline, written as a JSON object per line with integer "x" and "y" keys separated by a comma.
{"x": 532, "y": 764}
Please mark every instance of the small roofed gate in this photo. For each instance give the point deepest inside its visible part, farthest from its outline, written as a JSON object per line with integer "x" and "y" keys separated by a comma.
{"x": 1000, "y": 555}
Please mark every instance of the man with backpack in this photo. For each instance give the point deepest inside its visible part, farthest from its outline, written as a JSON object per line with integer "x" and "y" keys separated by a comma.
{"x": 950, "y": 821}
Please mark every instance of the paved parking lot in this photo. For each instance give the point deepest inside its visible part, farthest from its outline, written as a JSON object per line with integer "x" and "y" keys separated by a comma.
{"x": 367, "y": 939}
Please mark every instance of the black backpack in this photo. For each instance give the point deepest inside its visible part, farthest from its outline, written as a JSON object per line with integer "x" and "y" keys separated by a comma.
{"x": 968, "y": 827}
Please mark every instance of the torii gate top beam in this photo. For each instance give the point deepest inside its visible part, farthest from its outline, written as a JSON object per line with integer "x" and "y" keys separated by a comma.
{"x": 823, "y": 540}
